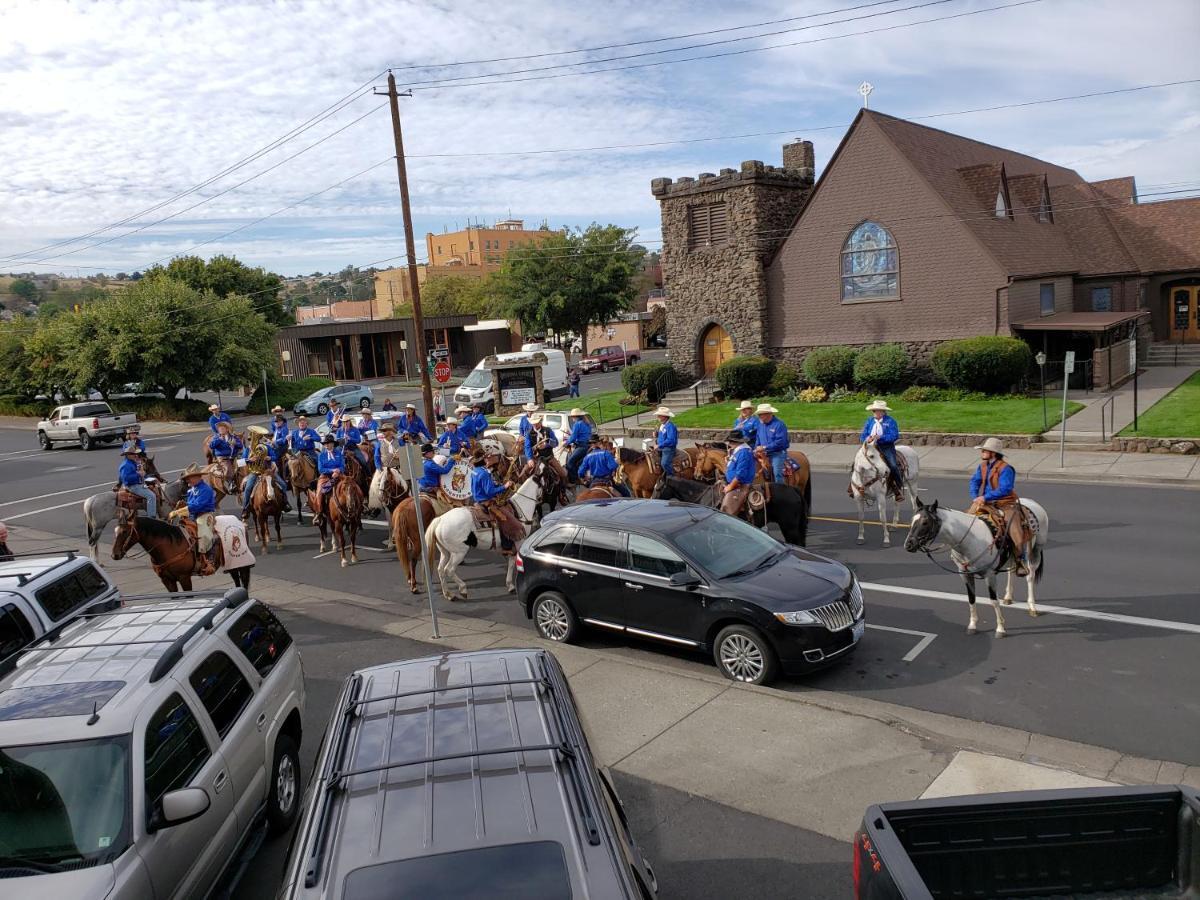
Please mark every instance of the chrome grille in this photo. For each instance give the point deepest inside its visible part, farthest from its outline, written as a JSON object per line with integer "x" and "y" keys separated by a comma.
{"x": 856, "y": 599}
{"x": 834, "y": 616}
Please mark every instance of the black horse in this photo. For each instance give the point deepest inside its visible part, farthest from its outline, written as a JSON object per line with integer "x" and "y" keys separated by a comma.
{"x": 785, "y": 505}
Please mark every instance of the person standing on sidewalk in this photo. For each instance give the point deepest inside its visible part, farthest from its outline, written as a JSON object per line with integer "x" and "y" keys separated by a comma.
{"x": 772, "y": 440}
{"x": 666, "y": 439}
{"x": 573, "y": 383}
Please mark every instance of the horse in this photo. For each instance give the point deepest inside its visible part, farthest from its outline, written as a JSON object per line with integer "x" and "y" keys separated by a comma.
{"x": 454, "y": 533}
{"x": 406, "y": 537}
{"x": 265, "y": 504}
{"x": 359, "y": 474}
{"x": 975, "y": 551}
{"x": 711, "y": 459}
{"x": 100, "y": 509}
{"x": 869, "y": 484}
{"x": 172, "y": 555}
{"x": 784, "y": 504}
{"x": 302, "y": 473}
{"x": 343, "y": 513}
{"x": 642, "y": 471}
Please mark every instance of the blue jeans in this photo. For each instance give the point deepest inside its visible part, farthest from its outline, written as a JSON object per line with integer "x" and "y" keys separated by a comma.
{"x": 668, "y": 459}
{"x": 148, "y": 495}
{"x": 252, "y": 480}
{"x": 573, "y": 390}
{"x": 778, "y": 460}
{"x": 888, "y": 452}
{"x": 574, "y": 460}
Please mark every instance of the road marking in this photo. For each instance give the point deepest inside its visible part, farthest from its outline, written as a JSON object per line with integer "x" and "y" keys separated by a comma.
{"x": 855, "y": 521}
{"x": 1186, "y": 627}
{"x": 925, "y": 636}
{"x": 326, "y": 553}
{"x": 63, "y": 469}
{"x": 44, "y": 509}
{"x": 86, "y": 487}
{"x": 10, "y": 454}
{"x": 34, "y": 512}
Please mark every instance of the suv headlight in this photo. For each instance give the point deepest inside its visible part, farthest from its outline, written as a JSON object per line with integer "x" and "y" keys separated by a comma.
{"x": 799, "y": 617}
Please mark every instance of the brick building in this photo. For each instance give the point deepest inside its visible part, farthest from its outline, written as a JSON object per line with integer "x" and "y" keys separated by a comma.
{"x": 919, "y": 236}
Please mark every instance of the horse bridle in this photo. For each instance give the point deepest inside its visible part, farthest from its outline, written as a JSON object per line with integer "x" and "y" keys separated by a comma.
{"x": 969, "y": 569}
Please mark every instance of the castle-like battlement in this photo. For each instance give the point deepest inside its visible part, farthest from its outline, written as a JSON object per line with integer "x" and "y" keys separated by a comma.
{"x": 798, "y": 170}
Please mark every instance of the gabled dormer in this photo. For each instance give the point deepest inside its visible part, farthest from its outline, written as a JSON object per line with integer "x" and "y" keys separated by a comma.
{"x": 990, "y": 186}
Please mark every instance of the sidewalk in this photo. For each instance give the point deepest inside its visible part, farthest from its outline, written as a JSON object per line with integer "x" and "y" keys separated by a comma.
{"x": 1154, "y": 383}
{"x": 814, "y": 760}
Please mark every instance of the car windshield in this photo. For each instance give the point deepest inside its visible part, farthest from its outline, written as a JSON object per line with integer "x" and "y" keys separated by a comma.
{"x": 66, "y": 805}
{"x": 724, "y": 545}
{"x": 479, "y": 378}
{"x": 599, "y": 351}
{"x": 321, "y": 394}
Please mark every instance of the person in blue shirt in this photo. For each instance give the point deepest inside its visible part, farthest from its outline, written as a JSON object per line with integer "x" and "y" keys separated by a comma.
{"x": 304, "y": 439}
{"x": 431, "y": 471}
{"x": 993, "y": 488}
{"x": 739, "y": 473}
{"x": 452, "y": 438}
{"x": 262, "y": 460}
{"x": 485, "y": 492}
{"x": 369, "y": 429}
{"x": 539, "y": 435}
{"x": 334, "y": 416}
{"x": 599, "y": 467}
{"x": 201, "y": 507}
{"x": 218, "y": 416}
{"x": 523, "y": 427}
{"x": 666, "y": 439}
{"x": 410, "y": 425}
{"x": 882, "y": 431}
{"x": 225, "y": 447}
{"x": 388, "y": 405}
{"x": 772, "y": 440}
{"x": 746, "y": 422}
{"x": 474, "y": 423}
{"x": 133, "y": 435}
{"x": 577, "y": 442}
{"x": 131, "y": 478}
{"x": 350, "y": 437}
{"x": 279, "y": 431}
{"x": 331, "y": 463}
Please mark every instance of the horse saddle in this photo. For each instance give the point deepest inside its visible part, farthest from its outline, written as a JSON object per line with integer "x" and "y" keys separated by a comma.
{"x": 757, "y": 499}
{"x": 128, "y": 500}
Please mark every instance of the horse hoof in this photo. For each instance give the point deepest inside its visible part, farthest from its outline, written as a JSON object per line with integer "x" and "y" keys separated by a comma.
{"x": 861, "y": 540}
{"x": 1007, "y": 601}
{"x": 971, "y": 629}
{"x": 353, "y": 557}
{"x": 1033, "y": 613}
{"x": 512, "y": 590}
{"x": 343, "y": 564}
{"x": 279, "y": 546}
{"x": 1000, "y": 632}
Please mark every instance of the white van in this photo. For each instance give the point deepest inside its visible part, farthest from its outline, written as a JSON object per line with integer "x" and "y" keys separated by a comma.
{"x": 477, "y": 387}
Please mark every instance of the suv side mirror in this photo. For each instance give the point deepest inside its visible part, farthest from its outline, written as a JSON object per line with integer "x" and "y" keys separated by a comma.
{"x": 177, "y": 807}
{"x": 685, "y": 579}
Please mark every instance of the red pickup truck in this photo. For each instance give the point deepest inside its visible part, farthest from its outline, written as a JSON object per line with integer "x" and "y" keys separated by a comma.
{"x": 601, "y": 359}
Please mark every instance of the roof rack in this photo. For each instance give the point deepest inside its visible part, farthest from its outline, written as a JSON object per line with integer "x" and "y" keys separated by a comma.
{"x": 23, "y": 578}
{"x": 233, "y": 599}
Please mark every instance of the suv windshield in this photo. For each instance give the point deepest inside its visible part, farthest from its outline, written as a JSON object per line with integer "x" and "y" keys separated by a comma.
{"x": 724, "y": 545}
{"x": 479, "y": 378}
{"x": 65, "y": 806}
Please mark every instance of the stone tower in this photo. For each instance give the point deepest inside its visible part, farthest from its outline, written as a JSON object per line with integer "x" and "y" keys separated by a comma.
{"x": 718, "y": 232}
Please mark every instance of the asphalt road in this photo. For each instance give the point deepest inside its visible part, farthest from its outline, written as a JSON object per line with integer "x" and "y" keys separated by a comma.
{"x": 1128, "y": 551}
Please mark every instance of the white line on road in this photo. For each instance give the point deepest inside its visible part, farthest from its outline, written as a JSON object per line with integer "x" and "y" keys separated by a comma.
{"x": 34, "y": 512}
{"x": 44, "y": 509}
{"x": 14, "y": 453}
{"x": 1187, "y": 627}
{"x": 86, "y": 487}
{"x": 63, "y": 469}
{"x": 925, "y": 636}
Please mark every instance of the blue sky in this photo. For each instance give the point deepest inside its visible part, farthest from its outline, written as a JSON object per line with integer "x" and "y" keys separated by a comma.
{"x": 107, "y": 109}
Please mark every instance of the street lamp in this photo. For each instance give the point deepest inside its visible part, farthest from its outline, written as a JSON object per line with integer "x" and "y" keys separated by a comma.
{"x": 1040, "y": 358}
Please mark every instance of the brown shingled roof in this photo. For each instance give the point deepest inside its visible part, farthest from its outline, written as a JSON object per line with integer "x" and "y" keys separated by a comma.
{"x": 1162, "y": 237}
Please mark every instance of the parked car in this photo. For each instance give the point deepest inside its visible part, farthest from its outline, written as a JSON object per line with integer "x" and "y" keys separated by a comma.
{"x": 144, "y": 746}
{"x": 84, "y": 423}
{"x": 462, "y": 776}
{"x": 349, "y": 395}
{"x": 660, "y": 339}
{"x": 1115, "y": 841}
{"x": 477, "y": 386}
{"x": 42, "y": 592}
{"x": 689, "y": 576}
{"x": 380, "y": 417}
{"x": 601, "y": 359}
{"x": 558, "y": 422}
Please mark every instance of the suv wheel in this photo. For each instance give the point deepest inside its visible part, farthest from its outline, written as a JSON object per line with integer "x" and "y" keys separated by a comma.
{"x": 743, "y": 654}
{"x": 554, "y": 619}
{"x": 284, "y": 799}
{"x": 44, "y": 441}
{"x": 322, "y": 408}
{"x": 603, "y": 368}
{"x": 85, "y": 441}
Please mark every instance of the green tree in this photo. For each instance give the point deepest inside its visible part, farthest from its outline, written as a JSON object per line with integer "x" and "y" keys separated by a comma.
{"x": 457, "y": 295}
{"x": 571, "y": 280}
{"x": 25, "y": 289}
{"x": 225, "y": 276}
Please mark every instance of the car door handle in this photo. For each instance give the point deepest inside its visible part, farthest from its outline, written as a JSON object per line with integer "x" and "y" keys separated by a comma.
{"x": 570, "y": 572}
{"x": 219, "y": 781}
{"x": 261, "y": 721}
{"x": 632, "y": 586}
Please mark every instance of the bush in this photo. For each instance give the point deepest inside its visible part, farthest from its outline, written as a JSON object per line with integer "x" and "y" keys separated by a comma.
{"x": 812, "y": 395}
{"x": 785, "y": 379}
{"x": 285, "y": 393}
{"x": 881, "y": 368}
{"x": 12, "y": 405}
{"x": 830, "y": 366}
{"x": 992, "y": 364}
{"x": 156, "y": 409}
{"x": 653, "y": 379}
{"x": 846, "y": 395}
{"x": 745, "y": 376}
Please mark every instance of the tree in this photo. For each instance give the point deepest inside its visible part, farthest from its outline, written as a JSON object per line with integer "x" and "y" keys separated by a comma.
{"x": 458, "y": 295}
{"x": 571, "y": 279}
{"x": 225, "y": 276}
{"x": 25, "y": 289}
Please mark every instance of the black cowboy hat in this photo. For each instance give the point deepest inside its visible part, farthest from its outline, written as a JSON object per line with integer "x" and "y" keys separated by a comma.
{"x": 735, "y": 437}
{"x": 426, "y": 448}
{"x": 328, "y": 439}
{"x": 596, "y": 439}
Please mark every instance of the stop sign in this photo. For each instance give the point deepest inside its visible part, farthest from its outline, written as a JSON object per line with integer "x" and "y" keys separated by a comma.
{"x": 441, "y": 371}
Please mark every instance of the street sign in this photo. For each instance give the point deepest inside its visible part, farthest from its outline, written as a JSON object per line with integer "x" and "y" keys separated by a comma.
{"x": 1069, "y": 363}
{"x": 440, "y": 353}
{"x": 441, "y": 371}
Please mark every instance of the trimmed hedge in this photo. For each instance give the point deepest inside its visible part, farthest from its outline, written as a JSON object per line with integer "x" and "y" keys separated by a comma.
{"x": 285, "y": 393}
{"x": 830, "y": 366}
{"x": 745, "y": 376}
{"x": 785, "y": 379}
{"x": 156, "y": 409}
{"x": 882, "y": 368}
{"x": 653, "y": 379}
{"x": 993, "y": 364}
{"x": 12, "y": 405}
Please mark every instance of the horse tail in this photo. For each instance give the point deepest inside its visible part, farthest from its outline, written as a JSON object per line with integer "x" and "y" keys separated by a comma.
{"x": 1037, "y": 573}
{"x": 400, "y": 538}
{"x": 807, "y": 497}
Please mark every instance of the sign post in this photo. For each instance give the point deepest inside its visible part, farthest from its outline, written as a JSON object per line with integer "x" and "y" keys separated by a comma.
{"x": 441, "y": 373}
{"x": 1068, "y": 369}
{"x": 1041, "y": 362}
{"x": 414, "y": 466}
{"x": 1133, "y": 368}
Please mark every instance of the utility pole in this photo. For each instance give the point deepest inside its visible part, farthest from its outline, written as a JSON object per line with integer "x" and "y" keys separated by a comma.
{"x": 411, "y": 250}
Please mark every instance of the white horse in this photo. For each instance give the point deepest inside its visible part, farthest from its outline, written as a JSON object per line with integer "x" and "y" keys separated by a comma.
{"x": 454, "y": 533}
{"x": 976, "y": 551}
{"x": 100, "y": 509}
{"x": 869, "y": 484}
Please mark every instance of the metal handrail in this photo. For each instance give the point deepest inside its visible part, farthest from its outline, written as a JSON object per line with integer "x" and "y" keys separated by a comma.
{"x": 1112, "y": 416}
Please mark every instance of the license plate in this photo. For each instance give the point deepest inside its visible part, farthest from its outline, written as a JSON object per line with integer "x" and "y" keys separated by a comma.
{"x": 858, "y": 630}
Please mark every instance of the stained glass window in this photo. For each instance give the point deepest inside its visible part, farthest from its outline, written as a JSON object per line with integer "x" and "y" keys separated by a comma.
{"x": 870, "y": 263}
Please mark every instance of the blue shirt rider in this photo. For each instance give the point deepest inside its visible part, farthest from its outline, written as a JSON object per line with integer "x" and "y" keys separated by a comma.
{"x": 577, "y": 442}
{"x": 133, "y": 436}
{"x": 994, "y": 485}
{"x": 772, "y": 439}
{"x": 485, "y": 490}
{"x": 368, "y": 427}
{"x": 279, "y": 433}
{"x": 666, "y": 439}
{"x": 218, "y": 416}
{"x": 538, "y": 434}
{"x": 476, "y": 423}
{"x": 304, "y": 439}
{"x": 200, "y": 505}
{"x": 452, "y": 438}
{"x": 410, "y": 426}
{"x": 350, "y": 438}
{"x": 599, "y": 467}
{"x": 129, "y": 474}
{"x": 335, "y": 413}
{"x": 432, "y": 471}
{"x": 264, "y": 452}
{"x": 746, "y": 422}
{"x": 200, "y": 497}
{"x": 883, "y": 431}
{"x": 331, "y": 463}
{"x": 225, "y": 445}
{"x": 740, "y": 471}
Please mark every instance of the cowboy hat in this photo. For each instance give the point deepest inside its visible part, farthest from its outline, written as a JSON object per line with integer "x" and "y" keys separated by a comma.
{"x": 277, "y": 409}
{"x": 462, "y": 407}
{"x": 410, "y": 406}
{"x": 575, "y": 411}
{"x": 192, "y": 471}
{"x": 225, "y": 425}
{"x": 746, "y": 404}
{"x": 535, "y": 419}
{"x": 329, "y": 438}
{"x": 596, "y": 439}
{"x": 387, "y": 426}
{"x": 735, "y": 437}
{"x": 426, "y": 448}
{"x": 995, "y": 445}
{"x": 366, "y": 410}
{"x": 212, "y": 407}
{"x": 664, "y": 411}
{"x": 765, "y": 409}
{"x": 530, "y": 407}
{"x": 450, "y": 420}
{"x": 878, "y": 404}
{"x": 130, "y": 448}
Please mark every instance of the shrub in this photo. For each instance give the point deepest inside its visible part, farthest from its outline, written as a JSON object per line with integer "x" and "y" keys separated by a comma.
{"x": 812, "y": 395}
{"x": 745, "y": 376}
{"x": 843, "y": 394}
{"x": 156, "y": 409}
{"x": 654, "y": 379}
{"x": 12, "y": 405}
{"x": 785, "y": 379}
{"x": 285, "y": 393}
{"x": 882, "y": 368}
{"x": 830, "y": 366}
{"x": 923, "y": 394}
{"x": 992, "y": 364}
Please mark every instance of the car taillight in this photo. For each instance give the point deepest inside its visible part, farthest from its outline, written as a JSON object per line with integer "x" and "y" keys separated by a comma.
{"x": 519, "y": 564}
{"x": 857, "y": 868}
{"x": 95, "y": 424}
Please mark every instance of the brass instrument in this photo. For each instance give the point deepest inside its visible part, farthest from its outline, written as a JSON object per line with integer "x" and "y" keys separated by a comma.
{"x": 258, "y": 460}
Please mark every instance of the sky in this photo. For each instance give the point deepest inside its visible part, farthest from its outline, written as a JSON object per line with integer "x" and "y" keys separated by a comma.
{"x": 109, "y": 111}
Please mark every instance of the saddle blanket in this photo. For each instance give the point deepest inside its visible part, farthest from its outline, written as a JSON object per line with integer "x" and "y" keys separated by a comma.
{"x": 232, "y": 534}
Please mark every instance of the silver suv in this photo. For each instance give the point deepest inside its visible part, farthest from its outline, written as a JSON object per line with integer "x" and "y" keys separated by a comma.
{"x": 141, "y": 747}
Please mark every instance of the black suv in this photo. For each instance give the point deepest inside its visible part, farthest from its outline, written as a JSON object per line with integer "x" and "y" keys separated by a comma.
{"x": 693, "y": 577}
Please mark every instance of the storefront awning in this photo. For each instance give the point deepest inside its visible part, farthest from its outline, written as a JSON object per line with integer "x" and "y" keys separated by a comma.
{"x": 1081, "y": 321}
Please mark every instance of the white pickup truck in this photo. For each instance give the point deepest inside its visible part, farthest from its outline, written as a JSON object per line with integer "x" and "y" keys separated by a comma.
{"x": 85, "y": 424}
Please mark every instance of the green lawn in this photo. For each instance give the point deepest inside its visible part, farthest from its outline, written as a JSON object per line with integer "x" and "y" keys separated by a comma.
{"x": 604, "y": 407}
{"x": 1175, "y": 415}
{"x": 1013, "y": 415}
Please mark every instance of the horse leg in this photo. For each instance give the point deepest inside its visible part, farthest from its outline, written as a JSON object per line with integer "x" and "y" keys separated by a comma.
{"x": 1035, "y": 564}
{"x": 973, "y": 622}
{"x": 354, "y": 541}
{"x": 991, "y": 583}
{"x": 1008, "y": 587}
{"x": 339, "y": 537}
{"x": 862, "y": 514}
{"x": 510, "y": 578}
{"x": 185, "y": 581}
{"x": 883, "y": 522}
{"x": 459, "y": 557}
{"x": 278, "y": 532}
{"x": 299, "y": 505}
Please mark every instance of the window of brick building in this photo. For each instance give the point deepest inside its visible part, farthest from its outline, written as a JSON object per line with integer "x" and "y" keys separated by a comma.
{"x": 708, "y": 225}
{"x": 1047, "y": 295}
{"x": 1101, "y": 299}
{"x": 870, "y": 264}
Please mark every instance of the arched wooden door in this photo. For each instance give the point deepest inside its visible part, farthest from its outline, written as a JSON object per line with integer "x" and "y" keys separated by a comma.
{"x": 716, "y": 347}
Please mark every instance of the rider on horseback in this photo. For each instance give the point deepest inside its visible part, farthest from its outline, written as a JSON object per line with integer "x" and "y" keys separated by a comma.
{"x": 279, "y": 432}
{"x": 431, "y": 473}
{"x": 739, "y": 472}
{"x": 410, "y": 424}
{"x": 369, "y": 427}
{"x": 453, "y": 439}
{"x": 261, "y": 460}
{"x": 992, "y": 491}
{"x": 487, "y": 494}
{"x": 217, "y": 417}
{"x": 523, "y": 426}
{"x": 133, "y": 435}
{"x": 389, "y": 452}
{"x": 577, "y": 442}
{"x": 331, "y": 464}
{"x": 599, "y": 466}
{"x": 201, "y": 507}
{"x": 304, "y": 439}
{"x": 224, "y": 447}
{"x": 882, "y": 431}
{"x": 132, "y": 479}
{"x": 771, "y": 440}
{"x": 540, "y": 442}
{"x": 350, "y": 437}
{"x": 666, "y": 439}
{"x": 745, "y": 422}
{"x": 475, "y": 423}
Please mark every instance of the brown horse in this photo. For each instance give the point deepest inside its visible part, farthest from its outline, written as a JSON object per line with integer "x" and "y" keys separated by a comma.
{"x": 264, "y": 506}
{"x": 358, "y": 474}
{"x": 406, "y": 535}
{"x": 172, "y": 556}
{"x": 302, "y": 472}
{"x": 710, "y": 465}
{"x": 599, "y": 492}
{"x": 642, "y": 470}
{"x": 344, "y": 514}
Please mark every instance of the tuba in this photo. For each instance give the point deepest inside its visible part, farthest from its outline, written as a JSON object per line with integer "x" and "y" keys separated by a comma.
{"x": 258, "y": 436}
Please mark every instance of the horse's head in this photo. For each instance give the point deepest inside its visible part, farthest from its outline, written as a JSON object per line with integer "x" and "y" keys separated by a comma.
{"x": 126, "y": 533}
{"x": 870, "y": 456}
{"x": 706, "y": 463}
{"x": 926, "y": 523}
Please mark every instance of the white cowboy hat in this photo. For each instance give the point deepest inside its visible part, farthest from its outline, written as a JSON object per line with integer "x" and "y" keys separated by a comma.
{"x": 276, "y": 409}
{"x": 576, "y": 412}
{"x": 535, "y": 419}
{"x": 410, "y": 406}
{"x": 765, "y": 408}
{"x": 450, "y": 420}
{"x": 212, "y": 407}
{"x": 994, "y": 444}
{"x": 878, "y": 404}
{"x": 664, "y": 411}
{"x": 366, "y": 409}
{"x": 746, "y": 404}
{"x": 530, "y": 407}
